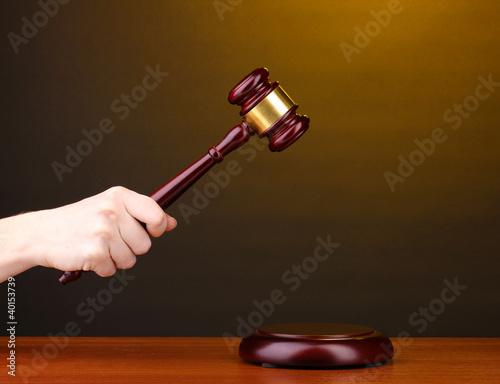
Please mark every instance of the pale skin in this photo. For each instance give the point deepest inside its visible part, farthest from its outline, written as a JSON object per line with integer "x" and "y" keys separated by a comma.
{"x": 100, "y": 234}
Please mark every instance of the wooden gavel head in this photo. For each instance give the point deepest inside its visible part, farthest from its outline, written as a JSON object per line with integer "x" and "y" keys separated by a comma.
{"x": 268, "y": 110}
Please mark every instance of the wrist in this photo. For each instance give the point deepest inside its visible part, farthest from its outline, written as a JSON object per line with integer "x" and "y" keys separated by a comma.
{"x": 17, "y": 244}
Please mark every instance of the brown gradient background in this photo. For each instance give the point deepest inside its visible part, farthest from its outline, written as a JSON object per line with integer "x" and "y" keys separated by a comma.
{"x": 396, "y": 248}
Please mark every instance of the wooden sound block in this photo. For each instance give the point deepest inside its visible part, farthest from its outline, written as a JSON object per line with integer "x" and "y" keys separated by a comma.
{"x": 316, "y": 345}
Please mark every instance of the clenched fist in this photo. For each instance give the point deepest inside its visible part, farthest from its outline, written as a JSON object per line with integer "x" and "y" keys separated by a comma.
{"x": 100, "y": 234}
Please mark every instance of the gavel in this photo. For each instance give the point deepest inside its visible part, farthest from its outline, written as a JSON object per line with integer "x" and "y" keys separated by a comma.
{"x": 266, "y": 109}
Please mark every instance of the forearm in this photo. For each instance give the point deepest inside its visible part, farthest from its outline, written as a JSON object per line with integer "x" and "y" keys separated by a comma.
{"x": 16, "y": 251}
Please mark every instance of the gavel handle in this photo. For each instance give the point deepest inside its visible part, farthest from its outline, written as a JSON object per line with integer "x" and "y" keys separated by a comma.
{"x": 171, "y": 191}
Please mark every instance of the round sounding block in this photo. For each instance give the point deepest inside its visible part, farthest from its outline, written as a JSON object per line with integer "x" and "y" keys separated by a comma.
{"x": 316, "y": 344}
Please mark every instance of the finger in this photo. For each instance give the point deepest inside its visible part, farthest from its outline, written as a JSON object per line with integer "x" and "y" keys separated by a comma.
{"x": 133, "y": 235}
{"x": 121, "y": 254}
{"x": 95, "y": 255}
{"x": 171, "y": 223}
{"x": 105, "y": 268}
{"x": 146, "y": 210}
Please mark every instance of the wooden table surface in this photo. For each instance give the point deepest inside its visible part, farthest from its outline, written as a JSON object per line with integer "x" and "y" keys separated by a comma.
{"x": 209, "y": 360}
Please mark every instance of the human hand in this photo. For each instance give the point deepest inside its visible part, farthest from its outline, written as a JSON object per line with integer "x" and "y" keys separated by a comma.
{"x": 100, "y": 233}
